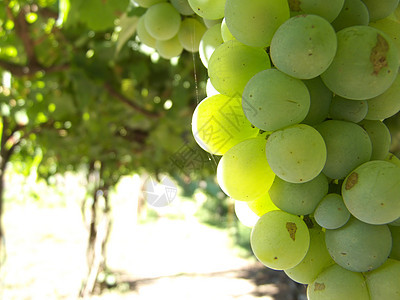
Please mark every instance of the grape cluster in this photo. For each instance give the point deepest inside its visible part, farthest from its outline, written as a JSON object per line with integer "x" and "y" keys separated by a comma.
{"x": 297, "y": 96}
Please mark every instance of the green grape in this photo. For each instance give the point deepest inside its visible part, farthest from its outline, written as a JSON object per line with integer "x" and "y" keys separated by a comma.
{"x": 226, "y": 34}
{"x": 280, "y": 240}
{"x": 329, "y": 10}
{"x": 390, "y": 26}
{"x": 386, "y": 104}
{"x": 347, "y": 144}
{"x": 320, "y": 101}
{"x": 169, "y": 48}
{"x": 365, "y": 64}
{"x": 262, "y": 205}
{"x": 211, "y": 23}
{"x": 244, "y": 214}
{"x": 273, "y": 100}
{"x": 143, "y": 34}
{"x": 383, "y": 283}
{"x": 380, "y": 9}
{"x": 297, "y": 153}
{"x": 303, "y": 46}
{"x": 183, "y": 7}
{"x": 208, "y": 9}
{"x": 371, "y": 192}
{"x": 248, "y": 155}
{"x": 380, "y": 138}
{"x": 337, "y": 283}
{"x": 358, "y": 246}
{"x": 395, "y": 231}
{"x": 354, "y": 12}
{"x": 331, "y": 213}
{"x": 298, "y": 198}
{"x": 190, "y": 34}
{"x": 210, "y": 90}
{"x": 162, "y": 21}
{"x": 393, "y": 159}
{"x": 348, "y": 110}
{"x": 254, "y": 22}
{"x": 148, "y": 3}
{"x": 219, "y": 123}
{"x": 210, "y": 40}
{"x": 316, "y": 260}
{"x": 233, "y": 64}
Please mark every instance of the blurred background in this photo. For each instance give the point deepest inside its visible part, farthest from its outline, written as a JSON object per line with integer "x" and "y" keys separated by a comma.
{"x": 103, "y": 192}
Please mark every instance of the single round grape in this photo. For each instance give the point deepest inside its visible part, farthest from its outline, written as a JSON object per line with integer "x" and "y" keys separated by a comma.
{"x": 143, "y": 34}
{"x": 169, "y": 48}
{"x": 210, "y": 40}
{"x": 208, "y": 9}
{"x": 365, "y": 64}
{"x": 190, "y": 34}
{"x": 162, "y": 21}
{"x": 218, "y": 123}
{"x": 298, "y": 198}
{"x": 331, "y": 213}
{"x": 347, "y": 144}
{"x": 254, "y": 22}
{"x": 383, "y": 283}
{"x": 316, "y": 260}
{"x": 395, "y": 232}
{"x": 303, "y": 46}
{"x": 358, "y": 246}
{"x": 380, "y": 9}
{"x": 338, "y": 283}
{"x": 273, "y": 100}
{"x": 320, "y": 100}
{"x": 183, "y": 7}
{"x": 380, "y": 138}
{"x": 371, "y": 192}
{"x": 296, "y": 153}
{"x": 329, "y": 10}
{"x": 348, "y": 110}
{"x": 252, "y": 184}
{"x": 262, "y": 205}
{"x": 280, "y": 240}
{"x": 354, "y": 12}
{"x": 233, "y": 64}
{"x": 226, "y": 34}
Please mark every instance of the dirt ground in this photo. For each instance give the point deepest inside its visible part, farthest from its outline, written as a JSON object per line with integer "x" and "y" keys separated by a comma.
{"x": 165, "y": 259}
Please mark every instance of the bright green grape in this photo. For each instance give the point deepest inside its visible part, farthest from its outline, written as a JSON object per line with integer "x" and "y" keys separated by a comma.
{"x": 386, "y": 104}
{"x": 304, "y": 46}
{"x": 331, "y": 213}
{"x": 183, "y": 7}
{"x": 365, "y": 64}
{"x": 190, "y": 34}
{"x": 233, "y": 64}
{"x": 354, "y": 12}
{"x": 262, "y": 205}
{"x": 219, "y": 123}
{"x": 380, "y": 137}
{"x": 210, "y": 40}
{"x": 143, "y": 34}
{"x": 273, "y": 100}
{"x": 383, "y": 283}
{"x": 395, "y": 231}
{"x": 316, "y": 260}
{"x": 337, "y": 283}
{"x": 347, "y": 144}
{"x": 257, "y": 178}
{"x": 162, "y": 21}
{"x": 297, "y": 153}
{"x": 226, "y": 34}
{"x": 320, "y": 101}
{"x": 208, "y": 9}
{"x": 329, "y": 10}
{"x": 371, "y": 192}
{"x": 255, "y": 22}
{"x": 280, "y": 240}
{"x": 169, "y": 48}
{"x": 380, "y": 9}
{"x": 298, "y": 198}
{"x": 348, "y": 110}
{"x": 358, "y": 246}
{"x": 148, "y": 3}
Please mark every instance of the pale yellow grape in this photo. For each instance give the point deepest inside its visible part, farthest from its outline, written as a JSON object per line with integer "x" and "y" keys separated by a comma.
{"x": 210, "y": 40}
{"x": 190, "y": 34}
{"x": 226, "y": 34}
{"x": 169, "y": 48}
{"x": 143, "y": 34}
{"x": 262, "y": 205}
{"x": 384, "y": 282}
{"x": 280, "y": 240}
{"x": 208, "y": 9}
{"x": 162, "y": 21}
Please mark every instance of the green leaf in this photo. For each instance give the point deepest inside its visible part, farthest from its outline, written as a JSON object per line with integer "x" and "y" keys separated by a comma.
{"x": 128, "y": 28}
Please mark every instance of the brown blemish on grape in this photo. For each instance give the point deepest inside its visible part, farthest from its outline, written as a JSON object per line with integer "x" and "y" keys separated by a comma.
{"x": 378, "y": 54}
{"x": 351, "y": 181}
{"x": 319, "y": 286}
{"x": 291, "y": 228}
{"x": 275, "y": 257}
{"x": 294, "y": 5}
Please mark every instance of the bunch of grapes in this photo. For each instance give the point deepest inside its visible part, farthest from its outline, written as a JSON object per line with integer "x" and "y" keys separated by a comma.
{"x": 297, "y": 95}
